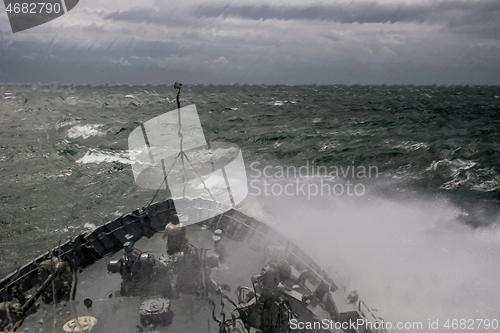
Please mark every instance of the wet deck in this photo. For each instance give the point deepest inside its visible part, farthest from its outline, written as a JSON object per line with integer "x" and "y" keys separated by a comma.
{"x": 245, "y": 257}
{"x": 115, "y": 313}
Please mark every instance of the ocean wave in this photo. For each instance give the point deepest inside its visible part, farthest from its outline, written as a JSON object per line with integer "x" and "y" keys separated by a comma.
{"x": 447, "y": 145}
{"x": 97, "y": 157}
{"x": 85, "y": 131}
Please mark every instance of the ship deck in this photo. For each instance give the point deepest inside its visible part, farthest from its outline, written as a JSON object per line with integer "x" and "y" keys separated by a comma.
{"x": 191, "y": 313}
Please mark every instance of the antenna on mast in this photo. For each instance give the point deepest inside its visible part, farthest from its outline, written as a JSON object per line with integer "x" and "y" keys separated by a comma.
{"x": 187, "y": 183}
{"x": 182, "y": 155}
{"x": 178, "y": 85}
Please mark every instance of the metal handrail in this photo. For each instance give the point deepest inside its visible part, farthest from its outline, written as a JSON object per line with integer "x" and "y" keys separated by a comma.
{"x": 377, "y": 319}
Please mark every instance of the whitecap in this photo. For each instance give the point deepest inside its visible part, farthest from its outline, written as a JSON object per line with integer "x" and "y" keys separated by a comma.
{"x": 89, "y": 226}
{"x": 411, "y": 145}
{"x": 84, "y": 131}
{"x": 98, "y": 157}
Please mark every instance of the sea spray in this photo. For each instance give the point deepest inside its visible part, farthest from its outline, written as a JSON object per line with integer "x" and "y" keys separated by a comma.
{"x": 411, "y": 258}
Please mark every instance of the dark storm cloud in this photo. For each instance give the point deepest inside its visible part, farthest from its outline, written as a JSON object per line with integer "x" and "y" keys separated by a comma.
{"x": 471, "y": 17}
{"x": 439, "y": 12}
{"x": 428, "y": 42}
{"x": 161, "y": 16}
{"x": 139, "y": 15}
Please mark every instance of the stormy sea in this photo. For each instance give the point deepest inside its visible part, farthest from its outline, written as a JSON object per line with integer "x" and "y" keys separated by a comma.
{"x": 410, "y": 219}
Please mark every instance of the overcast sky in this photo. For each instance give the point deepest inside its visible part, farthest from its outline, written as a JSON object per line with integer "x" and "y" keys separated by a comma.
{"x": 252, "y": 41}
